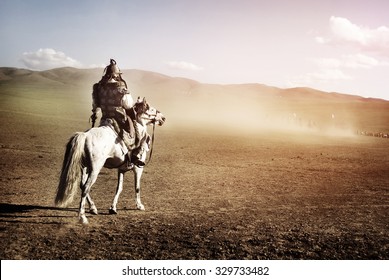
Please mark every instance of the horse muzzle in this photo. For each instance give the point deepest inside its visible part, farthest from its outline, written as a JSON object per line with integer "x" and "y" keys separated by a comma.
{"x": 160, "y": 119}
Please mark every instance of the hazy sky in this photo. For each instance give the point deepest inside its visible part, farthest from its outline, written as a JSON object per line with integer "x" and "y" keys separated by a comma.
{"x": 329, "y": 45}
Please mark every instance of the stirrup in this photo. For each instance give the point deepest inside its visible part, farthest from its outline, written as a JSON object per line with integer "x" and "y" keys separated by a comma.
{"x": 139, "y": 163}
{"x": 129, "y": 166}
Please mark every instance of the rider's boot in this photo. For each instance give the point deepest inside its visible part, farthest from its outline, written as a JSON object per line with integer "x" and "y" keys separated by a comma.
{"x": 129, "y": 164}
{"x": 137, "y": 154}
{"x": 135, "y": 160}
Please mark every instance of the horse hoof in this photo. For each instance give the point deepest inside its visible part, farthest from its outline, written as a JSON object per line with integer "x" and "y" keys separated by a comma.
{"x": 112, "y": 212}
{"x": 94, "y": 211}
{"x": 140, "y": 207}
{"x": 84, "y": 220}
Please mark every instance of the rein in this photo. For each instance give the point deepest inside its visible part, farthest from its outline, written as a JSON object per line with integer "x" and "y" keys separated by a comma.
{"x": 150, "y": 117}
{"x": 152, "y": 144}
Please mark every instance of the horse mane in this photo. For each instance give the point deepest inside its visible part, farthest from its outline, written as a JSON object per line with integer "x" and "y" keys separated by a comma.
{"x": 141, "y": 106}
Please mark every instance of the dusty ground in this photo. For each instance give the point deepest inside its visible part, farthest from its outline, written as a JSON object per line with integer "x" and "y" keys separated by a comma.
{"x": 207, "y": 196}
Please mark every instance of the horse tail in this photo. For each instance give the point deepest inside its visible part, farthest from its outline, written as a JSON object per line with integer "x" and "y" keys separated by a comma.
{"x": 71, "y": 173}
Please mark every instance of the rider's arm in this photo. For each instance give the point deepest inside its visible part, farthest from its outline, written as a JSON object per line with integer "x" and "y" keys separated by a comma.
{"x": 127, "y": 101}
{"x": 95, "y": 104}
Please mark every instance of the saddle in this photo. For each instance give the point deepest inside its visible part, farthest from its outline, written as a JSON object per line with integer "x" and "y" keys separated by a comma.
{"x": 124, "y": 127}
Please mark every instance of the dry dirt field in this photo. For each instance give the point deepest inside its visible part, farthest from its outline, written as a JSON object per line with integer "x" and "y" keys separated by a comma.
{"x": 268, "y": 195}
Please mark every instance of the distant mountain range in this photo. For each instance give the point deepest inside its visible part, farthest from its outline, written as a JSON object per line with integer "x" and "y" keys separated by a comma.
{"x": 80, "y": 77}
{"x": 254, "y": 106}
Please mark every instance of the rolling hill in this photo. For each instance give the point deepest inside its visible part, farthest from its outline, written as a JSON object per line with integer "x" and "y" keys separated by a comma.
{"x": 188, "y": 103}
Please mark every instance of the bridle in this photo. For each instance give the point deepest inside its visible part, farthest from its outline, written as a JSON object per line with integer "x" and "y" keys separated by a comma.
{"x": 152, "y": 143}
{"x": 152, "y": 118}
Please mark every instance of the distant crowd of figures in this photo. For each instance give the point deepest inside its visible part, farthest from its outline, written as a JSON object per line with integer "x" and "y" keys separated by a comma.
{"x": 374, "y": 134}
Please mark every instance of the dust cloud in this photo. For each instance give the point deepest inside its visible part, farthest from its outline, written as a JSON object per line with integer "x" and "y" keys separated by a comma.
{"x": 237, "y": 115}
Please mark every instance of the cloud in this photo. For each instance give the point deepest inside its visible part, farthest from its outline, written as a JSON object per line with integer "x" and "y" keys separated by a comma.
{"x": 362, "y": 61}
{"x": 329, "y": 71}
{"x": 367, "y": 49}
{"x": 371, "y": 45}
{"x": 344, "y": 32}
{"x": 318, "y": 78}
{"x": 325, "y": 75}
{"x": 44, "y": 59}
{"x": 353, "y": 61}
{"x": 183, "y": 65}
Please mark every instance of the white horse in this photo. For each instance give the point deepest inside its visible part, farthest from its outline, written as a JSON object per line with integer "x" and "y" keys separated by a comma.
{"x": 88, "y": 152}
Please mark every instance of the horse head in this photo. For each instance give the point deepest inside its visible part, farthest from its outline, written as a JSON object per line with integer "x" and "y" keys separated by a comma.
{"x": 147, "y": 114}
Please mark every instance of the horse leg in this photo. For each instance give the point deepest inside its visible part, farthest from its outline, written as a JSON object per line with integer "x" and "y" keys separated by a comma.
{"x": 137, "y": 175}
{"x": 92, "y": 206}
{"x": 119, "y": 189}
{"x": 85, "y": 189}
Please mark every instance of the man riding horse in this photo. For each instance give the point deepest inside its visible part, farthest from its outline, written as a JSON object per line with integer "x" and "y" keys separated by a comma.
{"x": 111, "y": 95}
